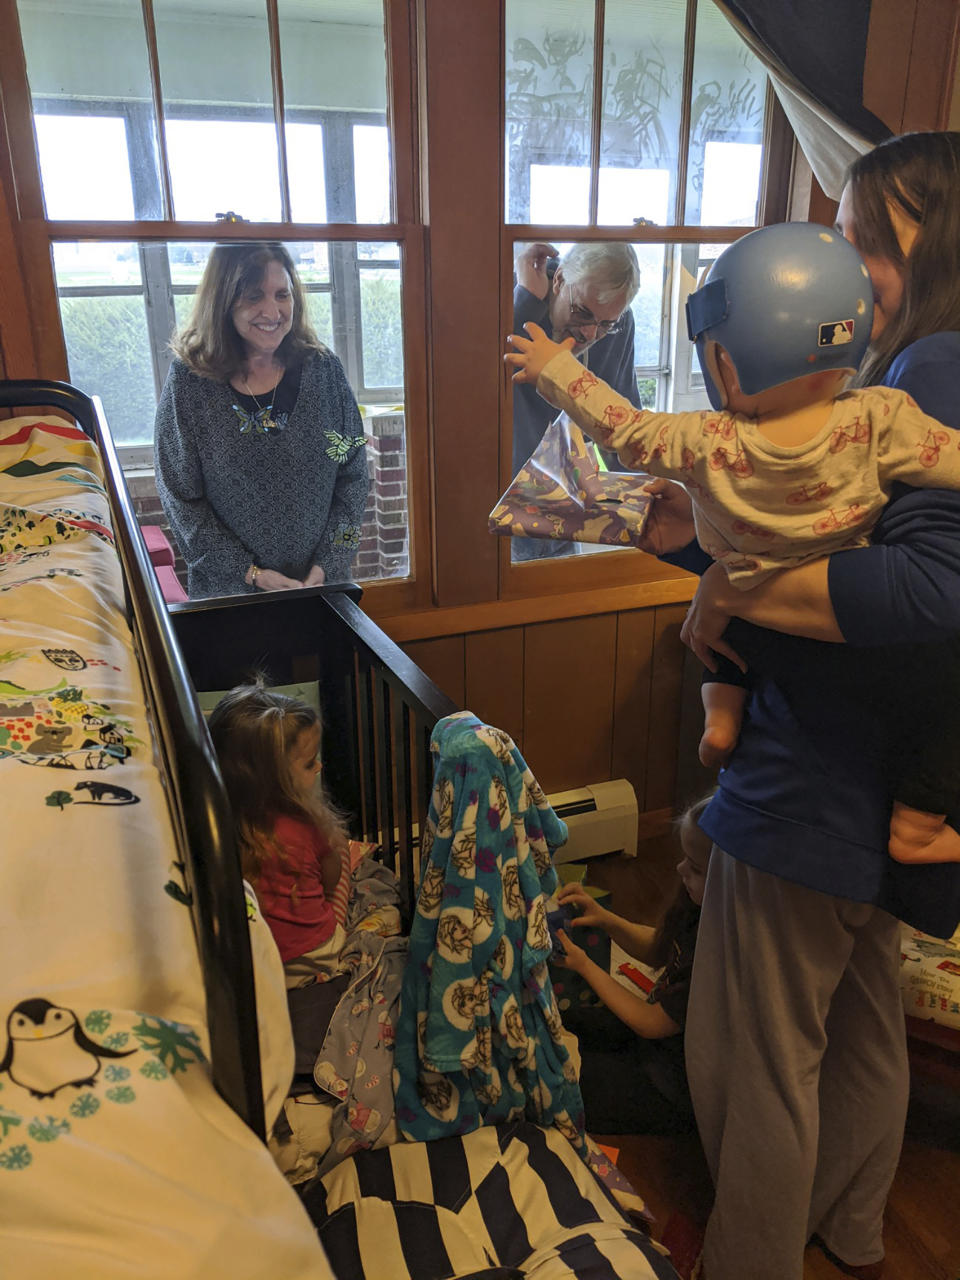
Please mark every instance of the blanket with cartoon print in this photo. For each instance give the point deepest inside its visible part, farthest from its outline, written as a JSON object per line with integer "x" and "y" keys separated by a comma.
{"x": 117, "y": 1156}
{"x": 479, "y": 1039}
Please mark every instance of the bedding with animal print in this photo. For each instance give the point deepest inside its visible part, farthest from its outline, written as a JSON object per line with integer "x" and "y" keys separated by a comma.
{"x": 106, "y": 1098}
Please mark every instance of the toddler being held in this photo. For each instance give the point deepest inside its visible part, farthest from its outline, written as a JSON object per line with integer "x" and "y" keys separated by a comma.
{"x": 787, "y": 467}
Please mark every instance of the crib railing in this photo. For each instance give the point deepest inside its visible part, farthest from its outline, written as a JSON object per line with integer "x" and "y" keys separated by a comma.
{"x": 199, "y": 809}
{"x": 392, "y": 707}
{"x": 378, "y": 706}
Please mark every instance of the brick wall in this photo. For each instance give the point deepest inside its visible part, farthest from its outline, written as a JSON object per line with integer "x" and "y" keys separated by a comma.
{"x": 384, "y": 539}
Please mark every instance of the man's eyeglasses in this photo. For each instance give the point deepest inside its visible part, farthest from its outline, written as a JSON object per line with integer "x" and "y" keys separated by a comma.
{"x": 581, "y": 318}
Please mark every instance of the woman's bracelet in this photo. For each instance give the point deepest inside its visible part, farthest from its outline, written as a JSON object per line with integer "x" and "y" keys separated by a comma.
{"x": 252, "y": 573}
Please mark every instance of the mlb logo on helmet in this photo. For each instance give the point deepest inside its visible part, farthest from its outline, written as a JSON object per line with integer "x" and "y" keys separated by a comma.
{"x": 835, "y": 333}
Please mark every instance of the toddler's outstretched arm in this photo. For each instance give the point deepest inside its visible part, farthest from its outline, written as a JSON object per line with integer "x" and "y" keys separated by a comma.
{"x": 533, "y": 353}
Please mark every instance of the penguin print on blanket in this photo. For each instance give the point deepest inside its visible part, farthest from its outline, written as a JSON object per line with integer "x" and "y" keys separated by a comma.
{"x": 48, "y": 1050}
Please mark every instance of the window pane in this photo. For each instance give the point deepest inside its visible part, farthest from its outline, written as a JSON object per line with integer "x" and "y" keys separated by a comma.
{"x": 320, "y": 315}
{"x": 647, "y": 306}
{"x": 90, "y": 84}
{"x": 642, "y": 80}
{"x": 220, "y": 166}
{"x": 182, "y": 303}
{"x": 313, "y": 261}
{"x": 726, "y": 126}
{"x": 683, "y": 389}
{"x": 80, "y": 266}
{"x": 187, "y": 261}
{"x": 371, "y": 160}
{"x": 335, "y": 66}
{"x": 549, "y": 91}
{"x": 65, "y": 144}
{"x": 218, "y": 107}
{"x": 382, "y": 328}
{"x": 108, "y": 351}
{"x": 308, "y": 191}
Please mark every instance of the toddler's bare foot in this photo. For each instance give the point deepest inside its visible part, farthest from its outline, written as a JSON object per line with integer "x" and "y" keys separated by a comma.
{"x": 917, "y": 837}
{"x": 716, "y": 746}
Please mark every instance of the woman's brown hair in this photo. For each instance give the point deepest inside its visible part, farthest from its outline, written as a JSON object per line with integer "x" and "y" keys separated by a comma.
{"x": 209, "y": 343}
{"x": 681, "y": 908}
{"x": 919, "y": 174}
{"x": 253, "y": 729}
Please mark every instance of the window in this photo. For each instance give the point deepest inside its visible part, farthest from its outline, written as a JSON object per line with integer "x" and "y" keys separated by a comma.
{"x": 645, "y": 117}
{"x": 182, "y": 137}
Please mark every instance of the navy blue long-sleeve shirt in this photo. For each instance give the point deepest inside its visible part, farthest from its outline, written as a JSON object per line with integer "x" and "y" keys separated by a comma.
{"x": 807, "y": 793}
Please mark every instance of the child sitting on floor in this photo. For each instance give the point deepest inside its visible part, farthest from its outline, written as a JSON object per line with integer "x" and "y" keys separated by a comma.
{"x": 787, "y": 468}
{"x": 632, "y": 1075}
{"x": 292, "y": 842}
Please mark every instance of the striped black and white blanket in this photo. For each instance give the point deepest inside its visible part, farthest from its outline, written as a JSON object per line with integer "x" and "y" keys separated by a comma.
{"x": 507, "y": 1201}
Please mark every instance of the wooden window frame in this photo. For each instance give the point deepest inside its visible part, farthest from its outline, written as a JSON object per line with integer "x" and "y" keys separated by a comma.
{"x": 37, "y": 235}
{"x": 446, "y": 115}
{"x": 616, "y": 568}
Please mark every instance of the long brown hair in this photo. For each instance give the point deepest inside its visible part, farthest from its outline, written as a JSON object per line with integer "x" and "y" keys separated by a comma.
{"x": 919, "y": 174}
{"x": 253, "y": 729}
{"x": 209, "y": 343}
{"x": 681, "y": 908}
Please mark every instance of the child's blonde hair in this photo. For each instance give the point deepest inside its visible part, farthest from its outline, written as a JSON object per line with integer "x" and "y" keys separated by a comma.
{"x": 680, "y": 908}
{"x": 253, "y": 729}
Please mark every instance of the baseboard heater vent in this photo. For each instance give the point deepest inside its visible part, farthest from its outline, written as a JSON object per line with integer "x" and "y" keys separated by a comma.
{"x": 601, "y": 818}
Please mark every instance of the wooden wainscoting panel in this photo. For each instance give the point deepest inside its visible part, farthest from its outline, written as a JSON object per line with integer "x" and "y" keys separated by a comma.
{"x": 494, "y": 679}
{"x": 631, "y": 704}
{"x": 568, "y": 677}
{"x": 666, "y": 681}
{"x": 442, "y": 661}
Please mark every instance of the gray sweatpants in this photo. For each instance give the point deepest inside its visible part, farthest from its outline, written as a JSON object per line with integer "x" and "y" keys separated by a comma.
{"x": 796, "y": 1057}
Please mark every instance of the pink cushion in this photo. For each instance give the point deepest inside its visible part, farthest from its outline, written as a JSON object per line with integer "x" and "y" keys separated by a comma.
{"x": 169, "y": 584}
{"x": 158, "y": 547}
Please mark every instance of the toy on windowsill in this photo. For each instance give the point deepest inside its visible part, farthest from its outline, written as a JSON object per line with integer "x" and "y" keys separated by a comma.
{"x": 787, "y": 468}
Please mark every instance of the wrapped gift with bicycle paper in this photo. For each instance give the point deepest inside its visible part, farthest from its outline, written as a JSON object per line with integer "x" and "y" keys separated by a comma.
{"x": 561, "y": 492}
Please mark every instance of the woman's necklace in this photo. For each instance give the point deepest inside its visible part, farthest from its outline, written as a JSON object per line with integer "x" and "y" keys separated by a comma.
{"x": 264, "y": 415}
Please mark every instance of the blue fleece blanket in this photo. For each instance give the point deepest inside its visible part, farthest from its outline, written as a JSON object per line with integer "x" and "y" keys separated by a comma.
{"x": 479, "y": 1033}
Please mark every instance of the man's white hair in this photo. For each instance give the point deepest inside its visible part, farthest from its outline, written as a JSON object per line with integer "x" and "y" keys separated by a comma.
{"x": 608, "y": 269}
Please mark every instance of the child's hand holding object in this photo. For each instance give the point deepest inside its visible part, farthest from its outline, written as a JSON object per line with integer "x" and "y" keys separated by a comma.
{"x": 586, "y": 906}
{"x": 533, "y": 353}
{"x": 574, "y": 957}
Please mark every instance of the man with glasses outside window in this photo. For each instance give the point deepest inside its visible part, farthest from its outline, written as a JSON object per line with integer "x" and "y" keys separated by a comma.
{"x": 585, "y": 296}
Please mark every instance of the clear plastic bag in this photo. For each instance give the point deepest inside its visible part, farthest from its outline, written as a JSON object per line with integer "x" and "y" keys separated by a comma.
{"x": 561, "y": 492}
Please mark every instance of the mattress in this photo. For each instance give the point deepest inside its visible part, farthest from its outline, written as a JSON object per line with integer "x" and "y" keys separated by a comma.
{"x": 117, "y": 1156}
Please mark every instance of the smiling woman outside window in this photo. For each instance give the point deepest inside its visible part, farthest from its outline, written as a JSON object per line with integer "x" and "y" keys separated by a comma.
{"x": 260, "y": 458}
{"x": 288, "y": 126}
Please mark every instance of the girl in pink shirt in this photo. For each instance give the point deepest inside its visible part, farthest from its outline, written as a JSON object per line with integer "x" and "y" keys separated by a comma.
{"x": 293, "y": 843}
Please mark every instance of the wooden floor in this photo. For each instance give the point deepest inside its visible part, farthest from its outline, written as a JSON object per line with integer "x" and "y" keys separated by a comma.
{"x": 922, "y": 1234}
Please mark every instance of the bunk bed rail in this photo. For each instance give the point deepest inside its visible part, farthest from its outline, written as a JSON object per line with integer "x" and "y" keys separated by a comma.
{"x": 199, "y": 808}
